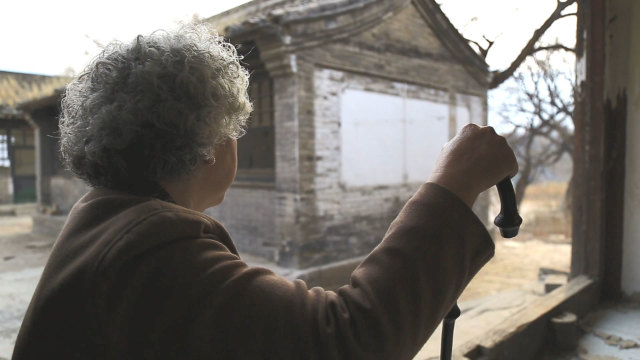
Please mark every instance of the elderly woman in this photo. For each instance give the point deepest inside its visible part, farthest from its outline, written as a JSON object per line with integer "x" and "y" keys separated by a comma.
{"x": 139, "y": 272}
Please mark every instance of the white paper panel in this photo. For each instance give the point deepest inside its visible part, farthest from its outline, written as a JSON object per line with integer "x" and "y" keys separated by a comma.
{"x": 427, "y": 130}
{"x": 463, "y": 117}
{"x": 387, "y": 139}
{"x": 372, "y": 136}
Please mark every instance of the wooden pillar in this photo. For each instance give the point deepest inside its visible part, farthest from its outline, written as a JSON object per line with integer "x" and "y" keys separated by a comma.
{"x": 45, "y": 124}
{"x": 599, "y": 156}
{"x": 588, "y": 158}
{"x": 283, "y": 70}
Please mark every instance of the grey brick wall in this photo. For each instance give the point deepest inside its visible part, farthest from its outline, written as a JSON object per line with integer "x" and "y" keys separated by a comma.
{"x": 351, "y": 220}
{"x": 66, "y": 191}
{"x": 248, "y": 214}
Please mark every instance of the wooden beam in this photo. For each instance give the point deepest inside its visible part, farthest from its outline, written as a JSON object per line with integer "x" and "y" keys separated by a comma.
{"x": 528, "y": 332}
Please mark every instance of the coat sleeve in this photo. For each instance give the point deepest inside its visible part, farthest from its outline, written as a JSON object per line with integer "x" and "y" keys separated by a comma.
{"x": 197, "y": 299}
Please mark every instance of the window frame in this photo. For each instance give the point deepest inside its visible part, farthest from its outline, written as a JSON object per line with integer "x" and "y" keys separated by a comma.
{"x": 597, "y": 208}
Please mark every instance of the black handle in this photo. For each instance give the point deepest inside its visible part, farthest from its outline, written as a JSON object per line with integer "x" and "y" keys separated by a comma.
{"x": 509, "y": 221}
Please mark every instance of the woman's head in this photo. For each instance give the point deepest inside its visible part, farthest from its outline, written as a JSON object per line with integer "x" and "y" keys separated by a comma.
{"x": 151, "y": 110}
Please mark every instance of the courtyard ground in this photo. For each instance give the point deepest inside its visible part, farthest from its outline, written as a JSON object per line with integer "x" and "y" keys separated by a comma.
{"x": 501, "y": 288}
{"x": 22, "y": 258}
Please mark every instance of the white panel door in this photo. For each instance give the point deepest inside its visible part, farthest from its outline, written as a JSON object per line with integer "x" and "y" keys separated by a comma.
{"x": 371, "y": 138}
{"x": 463, "y": 117}
{"x": 427, "y": 130}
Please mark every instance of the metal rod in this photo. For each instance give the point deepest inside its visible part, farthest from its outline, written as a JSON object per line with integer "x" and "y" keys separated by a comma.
{"x": 509, "y": 221}
{"x": 446, "y": 344}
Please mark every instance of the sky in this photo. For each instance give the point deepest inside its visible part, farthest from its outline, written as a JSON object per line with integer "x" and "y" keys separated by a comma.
{"x": 510, "y": 23}
{"x": 58, "y": 37}
{"x": 49, "y": 37}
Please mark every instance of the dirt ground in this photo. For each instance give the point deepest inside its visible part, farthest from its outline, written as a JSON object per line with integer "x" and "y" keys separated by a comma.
{"x": 22, "y": 258}
{"x": 544, "y": 242}
{"x": 516, "y": 264}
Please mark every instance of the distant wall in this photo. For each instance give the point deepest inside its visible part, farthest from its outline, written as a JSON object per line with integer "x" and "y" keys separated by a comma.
{"x": 66, "y": 191}
{"x": 389, "y": 139}
{"x": 376, "y": 141}
{"x": 248, "y": 213}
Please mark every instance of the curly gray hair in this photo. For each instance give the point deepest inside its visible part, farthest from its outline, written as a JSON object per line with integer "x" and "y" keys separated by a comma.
{"x": 151, "y": 109}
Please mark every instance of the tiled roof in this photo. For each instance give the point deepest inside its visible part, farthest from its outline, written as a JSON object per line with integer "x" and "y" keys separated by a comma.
{"x": 328, "y": 20}
{"x": 20, "y": 88}
{"x": 258, "y": 11}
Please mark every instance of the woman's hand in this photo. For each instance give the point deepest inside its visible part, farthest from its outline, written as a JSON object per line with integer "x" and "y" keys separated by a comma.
{"x": 473, "y": 161}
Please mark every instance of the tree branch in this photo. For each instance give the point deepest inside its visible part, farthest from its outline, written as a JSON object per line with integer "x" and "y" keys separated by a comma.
{"x": 567, "y": 15}
{"x": 483, "y": 50}
{"x": 553, "y": 47}
{"x": 498, "y": 77}
{"x": 540, "y": 133}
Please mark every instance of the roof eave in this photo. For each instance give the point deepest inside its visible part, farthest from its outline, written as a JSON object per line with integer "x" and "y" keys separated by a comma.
{"x": 453, "y": 40}
{"x": 280, "y": 25}
{"x": 37, "y": 103}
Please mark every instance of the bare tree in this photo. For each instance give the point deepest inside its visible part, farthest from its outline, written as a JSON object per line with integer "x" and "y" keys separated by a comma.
{"x": 532, "y": 47}
{"x": 540, "y": 114}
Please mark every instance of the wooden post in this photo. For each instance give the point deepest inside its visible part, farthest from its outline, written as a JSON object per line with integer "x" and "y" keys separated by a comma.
{"x": 588, "y": 158}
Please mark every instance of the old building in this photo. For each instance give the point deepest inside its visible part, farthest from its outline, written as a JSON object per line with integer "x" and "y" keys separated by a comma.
{"x": 19, "y": 133}
{"x": 30, "y": 120}
{"x": 353, "y": 101}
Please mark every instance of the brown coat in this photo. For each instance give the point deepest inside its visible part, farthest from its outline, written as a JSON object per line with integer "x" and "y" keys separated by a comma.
{"x": 139, "y": 278}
